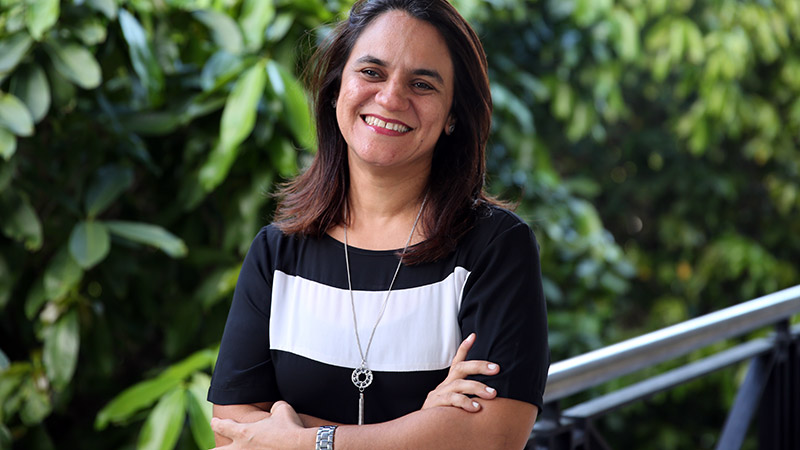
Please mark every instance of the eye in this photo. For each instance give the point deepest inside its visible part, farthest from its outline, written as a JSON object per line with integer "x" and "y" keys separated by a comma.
{"x": 370, "y": 73}
{"x": 423, "y": 86}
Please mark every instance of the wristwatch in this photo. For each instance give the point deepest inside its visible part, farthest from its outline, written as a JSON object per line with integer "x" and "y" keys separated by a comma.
{"x": 325, "y": 437}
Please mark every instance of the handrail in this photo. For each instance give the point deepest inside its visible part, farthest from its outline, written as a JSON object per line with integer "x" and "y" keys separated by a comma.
{"x": 591, "y": 369}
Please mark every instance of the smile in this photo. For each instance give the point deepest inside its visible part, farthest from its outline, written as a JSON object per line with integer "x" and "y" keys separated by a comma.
{"x": 375, "y": 122}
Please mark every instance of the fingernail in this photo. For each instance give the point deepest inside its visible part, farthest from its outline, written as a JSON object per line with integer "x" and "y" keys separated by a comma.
{"x": 471, "y": 336}
{"x": 476, "y": 404}
{"x": 489, "y": 390}
{"x": 492, "y": 366}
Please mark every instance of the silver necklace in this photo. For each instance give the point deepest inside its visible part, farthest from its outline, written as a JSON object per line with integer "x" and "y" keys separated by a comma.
{"x": 362, "y": 376}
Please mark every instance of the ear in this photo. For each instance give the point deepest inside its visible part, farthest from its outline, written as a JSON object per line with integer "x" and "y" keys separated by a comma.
{"x": 450, "y": 125}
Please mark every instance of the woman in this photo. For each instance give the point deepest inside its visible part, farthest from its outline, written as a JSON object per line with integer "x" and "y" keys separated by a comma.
{"x": 331, "y": 324}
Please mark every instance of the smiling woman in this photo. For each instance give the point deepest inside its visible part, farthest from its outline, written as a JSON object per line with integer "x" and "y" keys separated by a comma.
{"x": 384, "y": 256}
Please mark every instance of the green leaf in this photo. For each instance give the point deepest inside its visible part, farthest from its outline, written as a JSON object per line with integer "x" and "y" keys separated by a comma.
{"x": 224, "y": 30}
{"x": 4, "y": 364}
{"x": 107, "y": 7}
{"x": 30, "y": 84}
{"x": 89, "y": 243}
{"x": 61, "y": 275}
{"x": 41, "y": 16}
{"x": 254, "y": 19}
{"x": 14, "y": 115}
{"x": 133, "y": 399}
{"x": 8, "y": 144}
{"x": 19, "y": 219}
{"x": 144, "y": 62}
{"x": 36, "y": 404}
{"x": 6, "y": 284}
{"x": 12, "y": 49}
{"x": 5, "y": 436}
{"x": 91, "y": 31}
{"x": 145, "y": 393}
{"x": 238, "y": 119}
{"x": 148, "y": 234}
{"x": 75, "y": 63}
{"x": 109, "y": 183}
{"x": 200, "y": 410}
{"x": 293, "y": 97}
{"x": 61, "y": 345}
{"x": 35, "y": 299}
{"x": 283, "y": 157}
{"x": 219, "y": 70}
{"x": 164, "y": 424}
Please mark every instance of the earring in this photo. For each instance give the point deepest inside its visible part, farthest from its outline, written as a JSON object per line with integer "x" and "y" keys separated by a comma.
{"x": 333, "y": 103}
{"x": 451, "y": 129}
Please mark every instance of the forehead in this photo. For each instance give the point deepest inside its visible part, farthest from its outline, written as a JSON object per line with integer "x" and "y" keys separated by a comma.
{"x": 405, "y": 43}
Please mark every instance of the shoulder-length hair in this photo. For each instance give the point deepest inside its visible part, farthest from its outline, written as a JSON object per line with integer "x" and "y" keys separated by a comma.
{"x": 314, "y": 201}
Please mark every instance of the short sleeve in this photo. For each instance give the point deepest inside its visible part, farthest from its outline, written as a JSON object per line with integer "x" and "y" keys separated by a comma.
{"x": 503, "y": 303}
{"x": 244, "y": 372}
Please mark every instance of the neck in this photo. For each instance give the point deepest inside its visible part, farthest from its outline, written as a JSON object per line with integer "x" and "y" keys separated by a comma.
{"x": 382, "y": 209}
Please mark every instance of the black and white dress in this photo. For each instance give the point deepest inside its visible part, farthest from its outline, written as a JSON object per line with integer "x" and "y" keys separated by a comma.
{"x": 289, "y": 334}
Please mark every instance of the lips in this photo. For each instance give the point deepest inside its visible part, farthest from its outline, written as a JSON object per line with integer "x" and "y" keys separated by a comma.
{"x": 386, "y": 124}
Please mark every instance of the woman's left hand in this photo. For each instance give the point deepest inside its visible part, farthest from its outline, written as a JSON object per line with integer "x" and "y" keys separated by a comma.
{"x": 282, "y": 430}
{"x": 456, "y": 390}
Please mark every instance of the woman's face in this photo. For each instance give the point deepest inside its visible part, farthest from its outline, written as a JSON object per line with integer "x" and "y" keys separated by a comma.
{"x": 396, "y": 93}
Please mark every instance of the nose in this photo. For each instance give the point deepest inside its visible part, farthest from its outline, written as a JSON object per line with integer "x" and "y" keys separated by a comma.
{"x": 392, "y": 96}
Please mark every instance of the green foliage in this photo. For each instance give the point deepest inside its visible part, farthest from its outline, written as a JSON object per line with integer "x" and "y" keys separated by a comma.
{"x": 652, "y": 145}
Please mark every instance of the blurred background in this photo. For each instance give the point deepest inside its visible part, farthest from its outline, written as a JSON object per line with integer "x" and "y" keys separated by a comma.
{"x": 651, "y": 144}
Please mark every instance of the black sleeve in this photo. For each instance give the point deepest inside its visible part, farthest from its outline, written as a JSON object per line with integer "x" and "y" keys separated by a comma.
{"x": 504, "y": 305}
{"x": 244, "y": 372}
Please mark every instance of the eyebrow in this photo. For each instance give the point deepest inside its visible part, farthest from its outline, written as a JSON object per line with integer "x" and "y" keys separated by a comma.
{"x": 369, "y": 59}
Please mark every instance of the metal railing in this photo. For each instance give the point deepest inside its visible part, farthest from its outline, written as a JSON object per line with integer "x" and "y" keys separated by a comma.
{"x": 771, "y": 388}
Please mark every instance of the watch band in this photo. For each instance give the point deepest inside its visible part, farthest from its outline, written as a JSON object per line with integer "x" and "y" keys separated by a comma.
{"x": 325, "y": 437}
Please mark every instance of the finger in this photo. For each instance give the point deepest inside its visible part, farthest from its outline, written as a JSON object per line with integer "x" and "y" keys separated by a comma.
{"x": 463, "y": 349}
{"x": 472, "y": 367}
{"x": 471, "y": 387}
{"x": 225, "y": 427}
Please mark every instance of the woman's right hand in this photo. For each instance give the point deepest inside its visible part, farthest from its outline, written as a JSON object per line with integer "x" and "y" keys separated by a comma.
{"x": 456, "y": 389}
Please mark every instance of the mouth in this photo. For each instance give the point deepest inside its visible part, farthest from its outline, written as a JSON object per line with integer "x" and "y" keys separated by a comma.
{"x": 385, "y": 124}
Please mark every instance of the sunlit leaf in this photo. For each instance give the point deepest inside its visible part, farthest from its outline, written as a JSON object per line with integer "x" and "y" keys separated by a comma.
{"x": 61, "y": 275}
{"x": 41, "y": 16}
{"x": 144, "y": 62}
{"x": 149, "y": 234}
{"x": 89, "y": 243}
{"x": 61, "y": 345}
{"x": 254, "y": 19}
{"x": 12, "y": 49}
{"x": 75, "y": 63}
{"x": 134, "y": 399}
{"x": 145, "y": 393}
{"x": 163, "y": 426}
{"x": 200, "y": 410}
{"x": 109, "y": 183}
{"x": 238, "y": 119}
{"x": 14, "y": 115}
{"x": 30, "y": 85}
{"x": 91, "y": 31}
{"x": 107, "y": 7}
{"x": 8, "y": 144}
{"x": 296, "y": 105}
{"x": 224, "y": 30}
{"x": 221, "y": 68}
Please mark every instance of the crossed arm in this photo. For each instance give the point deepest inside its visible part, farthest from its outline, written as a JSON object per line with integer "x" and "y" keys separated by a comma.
{"x": 448, "y": 419}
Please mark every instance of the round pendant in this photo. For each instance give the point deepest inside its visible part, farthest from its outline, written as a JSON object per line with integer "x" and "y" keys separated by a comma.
{"x": 362, "y": 377}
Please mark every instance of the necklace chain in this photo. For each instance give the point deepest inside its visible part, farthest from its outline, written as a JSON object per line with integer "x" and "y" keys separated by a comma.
{"x": 362, "y": 353}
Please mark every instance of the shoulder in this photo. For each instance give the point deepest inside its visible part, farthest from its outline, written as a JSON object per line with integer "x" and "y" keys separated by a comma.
{"x": 493, "y": 222}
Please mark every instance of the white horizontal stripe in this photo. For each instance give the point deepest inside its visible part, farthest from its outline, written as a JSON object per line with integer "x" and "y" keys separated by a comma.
{"x": 418, "y": 331}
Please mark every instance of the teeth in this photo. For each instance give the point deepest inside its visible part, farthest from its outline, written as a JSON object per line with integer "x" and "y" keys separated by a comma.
{"x": 375, "y": 122}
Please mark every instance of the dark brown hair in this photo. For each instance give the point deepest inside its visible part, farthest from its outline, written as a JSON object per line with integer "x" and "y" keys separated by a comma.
{"x": 314, "y": 201}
